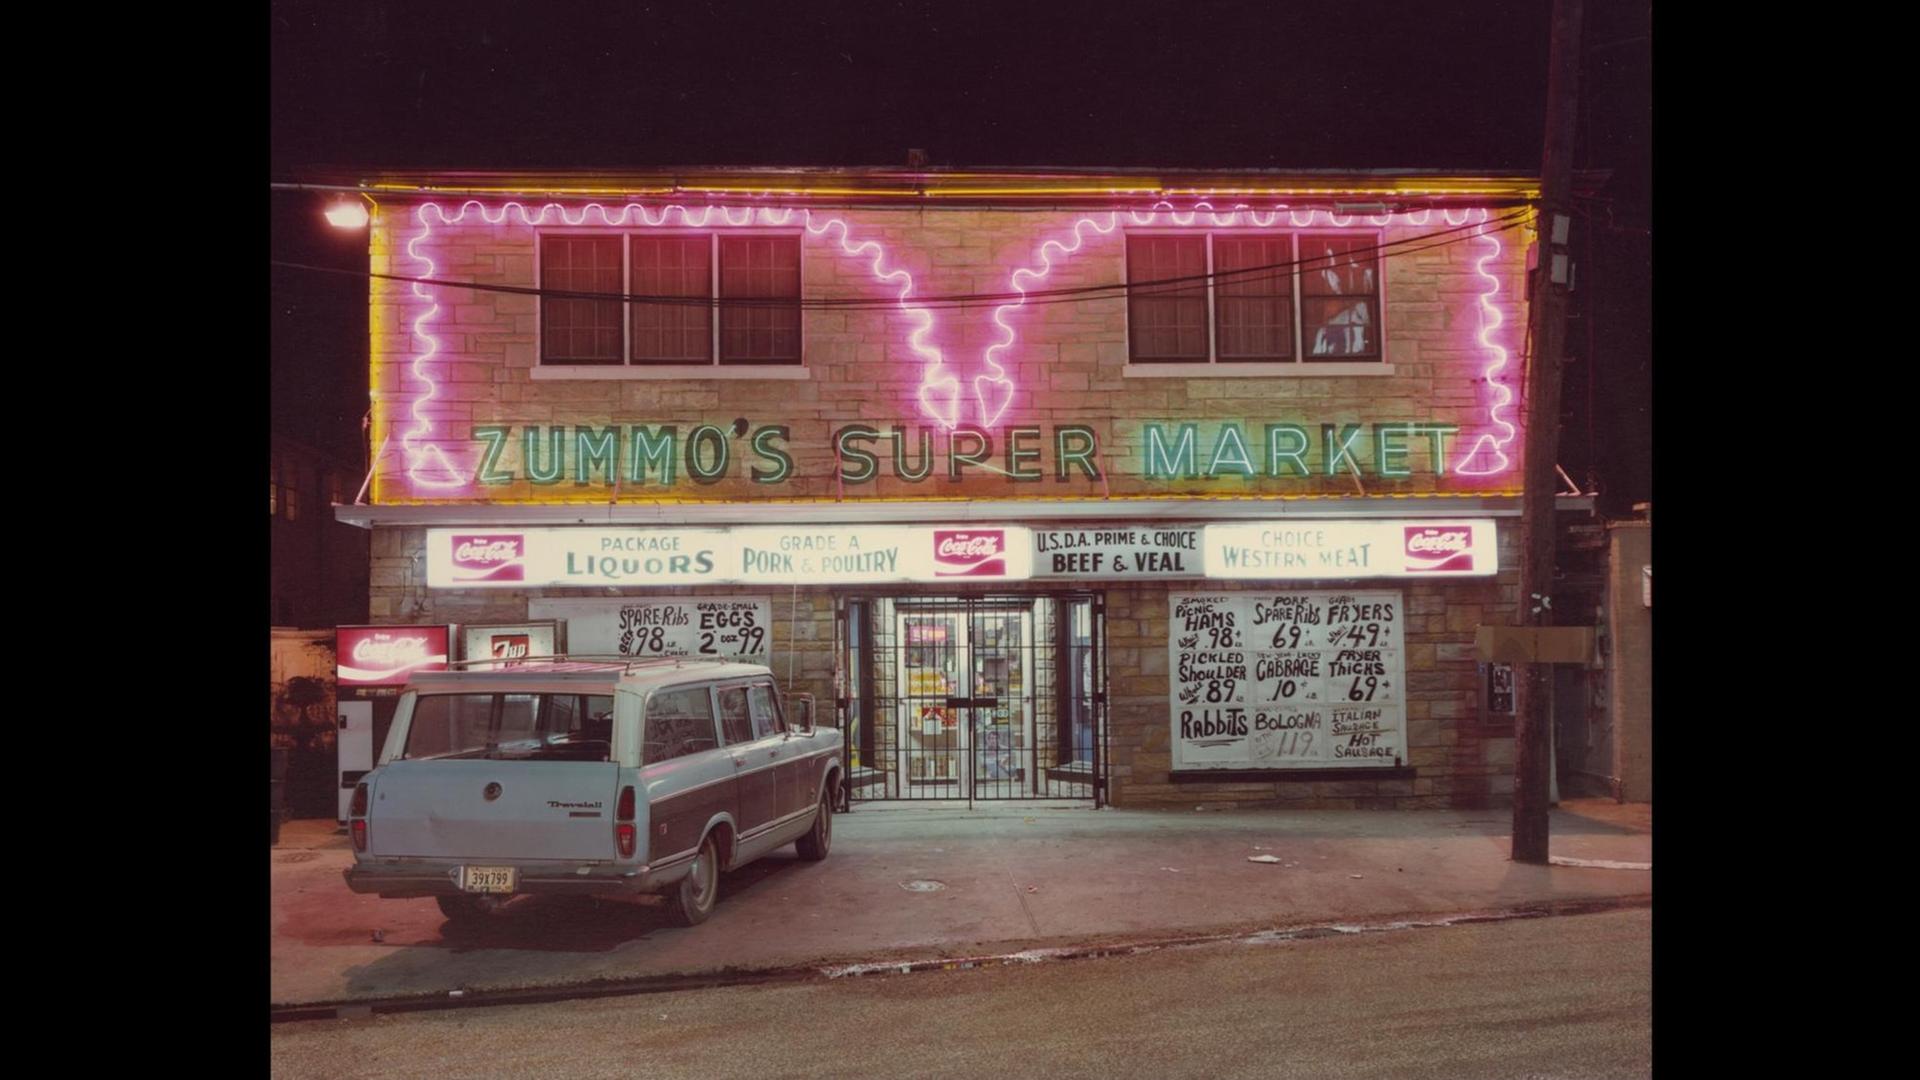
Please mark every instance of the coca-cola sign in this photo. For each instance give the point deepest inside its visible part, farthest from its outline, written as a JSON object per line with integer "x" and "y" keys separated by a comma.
{"x": 1445, "y": 549}
{"x": 974, "y": 553}
{"x": 489, "y": 557}
{"x": 387, "y": 655}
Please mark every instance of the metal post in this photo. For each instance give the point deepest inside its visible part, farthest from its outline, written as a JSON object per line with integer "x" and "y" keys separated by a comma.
{"x": 1532, "y": 743}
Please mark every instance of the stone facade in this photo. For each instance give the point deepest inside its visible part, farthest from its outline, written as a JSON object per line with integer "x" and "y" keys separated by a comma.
{"x": 448, "y": 362}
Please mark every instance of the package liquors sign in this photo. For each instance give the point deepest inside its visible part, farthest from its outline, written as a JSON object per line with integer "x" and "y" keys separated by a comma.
{"x": 719, "y": 627}
{"x": 1278, "y": 680}
{"x": 757, "y": 555}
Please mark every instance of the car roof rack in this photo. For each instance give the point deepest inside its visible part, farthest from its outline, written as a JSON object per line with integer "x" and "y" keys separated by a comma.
{"x": 625, "y": 663}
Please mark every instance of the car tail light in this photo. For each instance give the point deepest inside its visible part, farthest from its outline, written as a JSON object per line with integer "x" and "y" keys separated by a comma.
{"x": 358, "y": 812}
{"x": 624, "y": 833}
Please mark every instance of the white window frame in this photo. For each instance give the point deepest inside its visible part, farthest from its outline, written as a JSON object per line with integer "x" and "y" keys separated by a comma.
{"x": 626, "y": 368}
{"x": 1298, "y": 367}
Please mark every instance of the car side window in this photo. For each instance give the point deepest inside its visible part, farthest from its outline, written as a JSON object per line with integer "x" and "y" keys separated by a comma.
{"x": 735, "y": 718}
{"x": 679, "y": 722}
{"x": 766, "y": 714}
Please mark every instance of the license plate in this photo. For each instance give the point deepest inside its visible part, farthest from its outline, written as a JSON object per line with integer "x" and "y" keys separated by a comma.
{"x": 487, "y": 879}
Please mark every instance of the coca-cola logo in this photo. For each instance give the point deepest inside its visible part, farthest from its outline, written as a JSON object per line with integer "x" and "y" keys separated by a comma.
{"x": 493, "y": 557}
{"x": 1439, "y": 550}
{"x": 977, "y": 547}
{"x": 400, "y": 650}
{"x": 976, "y": 553}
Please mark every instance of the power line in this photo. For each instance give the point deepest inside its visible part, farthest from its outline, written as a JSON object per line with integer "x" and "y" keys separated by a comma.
{"x": 1073, "y": 294}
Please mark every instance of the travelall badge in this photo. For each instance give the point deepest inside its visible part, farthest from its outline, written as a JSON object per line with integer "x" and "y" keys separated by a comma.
{"x": 978, "y": 553}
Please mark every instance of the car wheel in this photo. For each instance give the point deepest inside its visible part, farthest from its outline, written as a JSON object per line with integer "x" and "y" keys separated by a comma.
{"x": 467, "y": 910}
{"x": 813, "y": 846}
{"x": 693, "y": 900}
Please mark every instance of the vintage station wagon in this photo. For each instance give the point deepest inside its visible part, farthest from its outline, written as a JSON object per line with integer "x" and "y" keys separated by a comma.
{"x": 589, "y": 776}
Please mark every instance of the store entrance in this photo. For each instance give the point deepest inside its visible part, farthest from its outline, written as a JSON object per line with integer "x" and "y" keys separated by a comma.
{"x": 974, "y": 698}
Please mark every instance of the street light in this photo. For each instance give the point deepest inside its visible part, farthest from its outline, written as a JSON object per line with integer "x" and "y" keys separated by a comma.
{"x": 347, "y": 214}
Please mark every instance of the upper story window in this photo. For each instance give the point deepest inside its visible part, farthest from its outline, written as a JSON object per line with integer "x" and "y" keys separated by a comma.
{"x": 681, "y": 274}
{"x": 1271, "y": 298}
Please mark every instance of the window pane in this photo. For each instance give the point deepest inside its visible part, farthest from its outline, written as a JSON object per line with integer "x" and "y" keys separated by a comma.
{"x": 760, "y": 268}
{"x": 579, "y": 331}
{"x": 679, "y": 722}
{"x": 1254, "y": 310}
{"x": 1167, "y": 323}
{"x": 766, "y": 717}
{"x": 1340, "y": 327}
{"x": 735, "y": 719}
{"x": 1340, "y": 297}
{"x": 665, "y": 332}
{"x": 445, "y": 724}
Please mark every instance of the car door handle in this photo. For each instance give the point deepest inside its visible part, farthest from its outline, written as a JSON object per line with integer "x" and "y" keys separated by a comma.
{"x": 773, "y": 753}
{"x": 740, "y": 760}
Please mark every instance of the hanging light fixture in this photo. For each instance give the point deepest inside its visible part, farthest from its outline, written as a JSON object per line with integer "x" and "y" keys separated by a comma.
{"x": 347, "y": 214}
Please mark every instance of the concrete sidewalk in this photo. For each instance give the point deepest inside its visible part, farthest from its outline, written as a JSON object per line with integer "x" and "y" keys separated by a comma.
{"x": 1003, "y": 879}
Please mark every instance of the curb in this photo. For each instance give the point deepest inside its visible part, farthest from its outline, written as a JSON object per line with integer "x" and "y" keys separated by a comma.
{"x": 661, "y": 984}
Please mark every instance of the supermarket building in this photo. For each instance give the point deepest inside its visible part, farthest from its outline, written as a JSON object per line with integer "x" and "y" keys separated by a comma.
{"x": 1137, "y": 489}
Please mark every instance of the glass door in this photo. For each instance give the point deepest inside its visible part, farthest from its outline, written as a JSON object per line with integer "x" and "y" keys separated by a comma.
{"x": 1001, "y": 646}
{"x": 934, "y": 681}
{"x": 966, "y": 705}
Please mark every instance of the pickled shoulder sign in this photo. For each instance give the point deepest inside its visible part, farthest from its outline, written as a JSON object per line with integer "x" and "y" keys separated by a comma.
{"x": 1287, "y": 680}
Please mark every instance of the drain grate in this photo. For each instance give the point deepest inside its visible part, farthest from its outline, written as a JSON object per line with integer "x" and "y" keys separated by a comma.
{"x": 923, "y": 885}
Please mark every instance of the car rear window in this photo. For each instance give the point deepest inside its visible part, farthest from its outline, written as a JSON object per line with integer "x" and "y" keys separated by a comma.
{"x": 529, "y": 727}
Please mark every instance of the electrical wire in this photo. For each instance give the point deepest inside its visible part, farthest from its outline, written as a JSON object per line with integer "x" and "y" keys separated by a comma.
{"x": 1036, "y": 298}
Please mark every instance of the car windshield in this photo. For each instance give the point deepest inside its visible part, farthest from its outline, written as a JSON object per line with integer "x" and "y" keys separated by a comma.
{"x": 530, "y": 727}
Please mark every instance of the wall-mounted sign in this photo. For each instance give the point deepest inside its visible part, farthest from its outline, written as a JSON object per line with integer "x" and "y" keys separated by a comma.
{"x": 387, "y": 655}
{"x": 510, "y": 642}
{"x": 1287, "y": 680}
{"x": 1307, "y": 549}
{"x": 721, "y": 627}
{"x": 822, "y": 555}
{"x": 1105, "y": 552}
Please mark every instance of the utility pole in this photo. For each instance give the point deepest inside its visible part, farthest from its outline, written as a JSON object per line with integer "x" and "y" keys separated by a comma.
{"x": 1532, "y": 742}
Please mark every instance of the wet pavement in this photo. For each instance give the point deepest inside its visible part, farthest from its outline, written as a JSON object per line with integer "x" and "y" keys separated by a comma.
{"x": 1006, "y": 878}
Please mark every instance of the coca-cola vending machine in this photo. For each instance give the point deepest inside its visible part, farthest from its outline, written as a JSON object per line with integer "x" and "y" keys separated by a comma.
{"x": 509, "y": 642}
{"x": 373, "y": 663}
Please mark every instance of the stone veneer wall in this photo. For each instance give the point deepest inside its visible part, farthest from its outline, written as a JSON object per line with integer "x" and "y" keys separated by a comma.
{"x": 1457, "y": 763}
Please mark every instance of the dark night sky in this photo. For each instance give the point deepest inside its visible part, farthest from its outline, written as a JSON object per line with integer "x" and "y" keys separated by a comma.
{"x": 1300, "y": 84}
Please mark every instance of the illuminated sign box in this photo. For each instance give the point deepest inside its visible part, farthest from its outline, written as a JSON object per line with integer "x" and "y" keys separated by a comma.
{"x": 387, "y": 655}
{"x": 829, "y": 555}
{"x": 592, "y": 557}
{"x": 1307, "y": 549}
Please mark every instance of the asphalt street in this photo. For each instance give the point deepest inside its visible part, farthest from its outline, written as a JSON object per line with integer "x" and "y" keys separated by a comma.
{"x": 1566, "y": 997}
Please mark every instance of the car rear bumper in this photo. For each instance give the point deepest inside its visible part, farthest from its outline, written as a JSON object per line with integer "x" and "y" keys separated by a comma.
{"x": 420, "y": 877}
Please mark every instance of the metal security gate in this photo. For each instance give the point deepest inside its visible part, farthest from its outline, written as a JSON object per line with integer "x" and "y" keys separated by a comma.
{"x": 973, "y": 698}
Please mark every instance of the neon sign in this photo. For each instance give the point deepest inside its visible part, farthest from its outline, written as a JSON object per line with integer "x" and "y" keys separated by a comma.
{"x": 1486, "y": 457}
{"x": 940, "y": 391}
